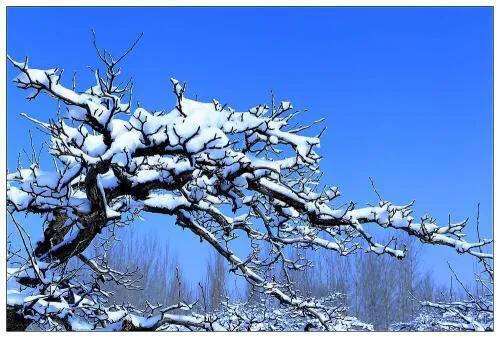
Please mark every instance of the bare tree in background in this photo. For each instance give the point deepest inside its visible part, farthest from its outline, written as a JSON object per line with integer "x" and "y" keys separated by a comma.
{"x": 216, "y": 282}
{"x": 389, "y": 300}
{"x": 223, "y": 174}
{"x": 160, "y": 272}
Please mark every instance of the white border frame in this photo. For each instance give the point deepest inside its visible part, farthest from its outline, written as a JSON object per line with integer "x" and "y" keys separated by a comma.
{"x": 240, "y": 3}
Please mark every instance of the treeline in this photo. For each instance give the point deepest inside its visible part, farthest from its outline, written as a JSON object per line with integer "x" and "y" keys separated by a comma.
{"x": 379, "y": 290}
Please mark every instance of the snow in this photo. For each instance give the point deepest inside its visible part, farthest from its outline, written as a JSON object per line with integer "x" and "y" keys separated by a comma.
{"x": 166, "y": 201}
{"x": 79, "y": 325}
{"x": 18, "y": 197}
{"x": 143, "y": 176}
{"x": 15, "y": 297}
{"x": 286, "y": 105}
{"x": 115, "y": 316}
{"x": 94, "y": 145}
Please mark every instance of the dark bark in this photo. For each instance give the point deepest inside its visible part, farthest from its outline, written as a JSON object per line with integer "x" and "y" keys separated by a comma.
{"x": 92, "y": 224}
{"x": 15, "y": 320}
{"x": 53, "y": 234}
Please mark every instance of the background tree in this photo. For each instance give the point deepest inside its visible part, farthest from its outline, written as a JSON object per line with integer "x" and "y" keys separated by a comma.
{"x": 159, "y": 271}
{"x": 216, "y": 282}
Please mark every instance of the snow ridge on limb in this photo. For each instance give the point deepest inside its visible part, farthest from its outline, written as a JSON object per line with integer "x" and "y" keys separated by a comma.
{"x": 223, "y": 173}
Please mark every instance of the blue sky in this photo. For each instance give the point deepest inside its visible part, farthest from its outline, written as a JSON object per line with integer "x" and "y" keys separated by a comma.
{"x": 407, "y": 92}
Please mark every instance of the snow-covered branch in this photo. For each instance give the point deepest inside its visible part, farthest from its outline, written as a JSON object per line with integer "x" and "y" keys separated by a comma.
{"x": 223, "y": 173}
{"x": 474, "y": 313}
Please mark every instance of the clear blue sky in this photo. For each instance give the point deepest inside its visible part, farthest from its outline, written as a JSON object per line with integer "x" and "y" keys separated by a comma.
{"x": 407, "y": 92}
